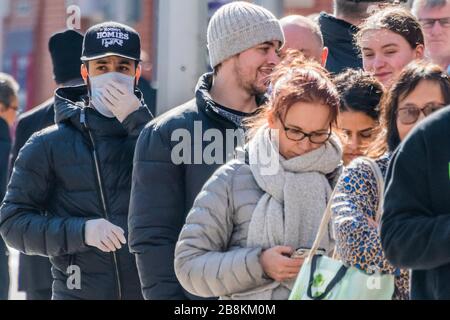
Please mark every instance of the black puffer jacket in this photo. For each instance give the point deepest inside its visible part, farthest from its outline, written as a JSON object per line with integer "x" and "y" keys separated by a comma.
{"x": 55, "y": 173}
{"x": 34, "y": 271}
{"x": 163, "y": 192}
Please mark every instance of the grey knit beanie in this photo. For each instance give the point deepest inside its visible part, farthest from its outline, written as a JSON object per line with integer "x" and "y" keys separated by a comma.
{"x": 239, "y": 26}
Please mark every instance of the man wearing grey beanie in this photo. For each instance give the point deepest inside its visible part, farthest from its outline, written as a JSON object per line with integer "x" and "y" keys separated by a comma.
{"x": 243, "y": 42}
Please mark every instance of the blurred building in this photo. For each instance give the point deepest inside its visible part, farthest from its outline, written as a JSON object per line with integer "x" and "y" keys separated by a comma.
{"x": 26, "y": 26}
{"x": 173, "y": 35}
{"x": 307, "y": 7}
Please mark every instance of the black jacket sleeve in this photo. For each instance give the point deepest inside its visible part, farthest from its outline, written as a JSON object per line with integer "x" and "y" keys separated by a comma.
{"x": 156, "y": 215}
{"x": 18, "y": 144}
{"x": 21, "y": 223}
{"x": 4, "y": 157}
{"x": 23, "y": 133}
{"x": 413, "y": 236}
{"x": 136, "y": 121}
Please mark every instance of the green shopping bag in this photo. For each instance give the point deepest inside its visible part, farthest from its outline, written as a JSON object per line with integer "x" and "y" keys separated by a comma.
{"x": 325, "y": 278}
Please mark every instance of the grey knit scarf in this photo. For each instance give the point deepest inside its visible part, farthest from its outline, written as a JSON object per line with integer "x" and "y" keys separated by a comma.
{"x": 296, "y": 193}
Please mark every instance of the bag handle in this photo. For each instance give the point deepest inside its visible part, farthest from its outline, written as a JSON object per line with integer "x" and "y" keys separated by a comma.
{"x": 380, "y": 185}
{"x": 337, "y": 278}
{"x": 328, "y": 213}
{"x": 322, "y": 228}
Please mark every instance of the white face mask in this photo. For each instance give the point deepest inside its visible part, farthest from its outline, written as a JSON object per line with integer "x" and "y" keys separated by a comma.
{"x": 98, "y": 82}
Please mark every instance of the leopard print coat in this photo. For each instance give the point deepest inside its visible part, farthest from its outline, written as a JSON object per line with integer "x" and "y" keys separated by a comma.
{"x": 358, "y": 243}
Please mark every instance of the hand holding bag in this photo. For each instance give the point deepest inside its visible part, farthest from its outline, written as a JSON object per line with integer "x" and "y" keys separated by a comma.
{"x": 325, "y": 278}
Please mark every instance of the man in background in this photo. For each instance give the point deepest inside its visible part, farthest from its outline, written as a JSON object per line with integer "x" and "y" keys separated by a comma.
{"x": 8, "y": 110}
{"x": 304, "y": 35}
{"x": 434, "y": 16}
{"x": 144, "y": 83}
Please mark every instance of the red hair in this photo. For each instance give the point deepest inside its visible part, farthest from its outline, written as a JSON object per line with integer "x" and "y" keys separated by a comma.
{"x": 294, "y": 80}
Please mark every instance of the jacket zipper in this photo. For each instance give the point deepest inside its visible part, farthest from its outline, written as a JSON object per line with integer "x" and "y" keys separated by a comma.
{"x": 102, "y": 196}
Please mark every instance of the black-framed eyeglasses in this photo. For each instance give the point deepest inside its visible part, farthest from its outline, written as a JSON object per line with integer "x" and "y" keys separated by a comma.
{"x": 299, "y": 135}
{"x": 429, "y": 23}
{"x": 410, "y": 115}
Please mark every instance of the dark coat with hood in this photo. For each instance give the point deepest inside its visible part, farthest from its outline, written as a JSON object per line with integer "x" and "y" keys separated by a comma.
{"x": 56, "y": 186}
{"x": 338, "y": 36}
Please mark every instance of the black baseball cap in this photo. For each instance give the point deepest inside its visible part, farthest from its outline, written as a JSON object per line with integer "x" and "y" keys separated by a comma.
{"x": 111, "y": 39}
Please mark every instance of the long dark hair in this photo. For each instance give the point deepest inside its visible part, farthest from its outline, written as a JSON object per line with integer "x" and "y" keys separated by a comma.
{"x": 408, "y": 80}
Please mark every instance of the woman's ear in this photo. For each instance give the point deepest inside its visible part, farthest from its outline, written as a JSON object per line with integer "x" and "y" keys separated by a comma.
{"x": 420, "y": 51}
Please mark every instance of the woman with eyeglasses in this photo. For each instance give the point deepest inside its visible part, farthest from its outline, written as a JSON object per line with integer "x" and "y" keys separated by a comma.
{"x": 389, "y": 40}
{"x": 422, "y": 88}
{"x": 359, "y": 111}
{"x": 240, "y": 237}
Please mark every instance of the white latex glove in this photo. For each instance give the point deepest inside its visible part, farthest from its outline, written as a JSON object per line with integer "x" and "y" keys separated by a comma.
{"x": 119, "y": 100}
{"x": 104, "y": 235}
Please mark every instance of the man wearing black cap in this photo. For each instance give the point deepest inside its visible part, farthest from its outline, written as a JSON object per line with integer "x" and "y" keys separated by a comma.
{"x": 79, "y": 174}
{"x": 65, "y": 48}
{"x": 340, "y": 28}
